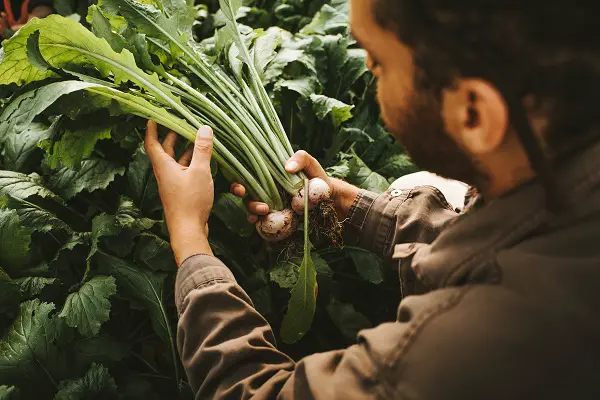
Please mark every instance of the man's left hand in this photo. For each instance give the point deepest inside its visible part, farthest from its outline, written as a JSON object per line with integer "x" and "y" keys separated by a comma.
{"x": 186, "y": 189}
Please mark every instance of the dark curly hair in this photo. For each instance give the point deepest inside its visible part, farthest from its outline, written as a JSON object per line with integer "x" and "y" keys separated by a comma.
{"x": 545, "y": 55}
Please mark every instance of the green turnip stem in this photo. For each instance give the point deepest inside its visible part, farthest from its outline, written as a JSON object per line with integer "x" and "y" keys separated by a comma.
{"x": 255, "y": 156}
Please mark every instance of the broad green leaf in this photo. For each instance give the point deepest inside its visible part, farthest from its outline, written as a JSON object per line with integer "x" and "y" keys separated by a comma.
{"x": 396, "y": 165}
{"x": 21, "y": 147}
{"x": 94, "y": 174}
{"x": 103, "y": 225}
{"x": 285, "y": 274}
{"x": 328, "y": 20}
{"x": 28, "y": 352}
{"x": 142, "y": 287}
{"x": 337, "y": 110}
{"x": 284, "y": 57}
{"x": 32, "y": 286}
{"x": 321, "y": 266}
{"x": 9, "y": 294}
{"x": 129, "y": 216}
{"x": 182, "y": 12}
{"x": 14, "y": 242}
{"x": 155, "y": 252}
{"x": 142, "y": 186}
{"x": 263, "y": 51}
{"x": 16, "y": 118}
{"x": 231, "y": 210}
{"x": 303, "y": 297}
{"x": 73, "y": 146}
{"x": 21, "y": 186}
{"x": 127, "y": 222}
{"x": 66, "y": 44}
{"x": 354, "y": 67}
{"x": 95, "y": 384}
{"x": 304, "y": 86}
{"x": 15, "y": 67}
{"x": 9, "y": 392}
{"x": 362, "y": 176}
{"x": 302, "y": 305}
{"x": 89, "y": 307}
{"x": 33, "y": 216}
{"x": 145, "y": 17}
{"x": 347, "y": 319}
{"x": 102, "y": 28}
{"x": 368, "y": 265}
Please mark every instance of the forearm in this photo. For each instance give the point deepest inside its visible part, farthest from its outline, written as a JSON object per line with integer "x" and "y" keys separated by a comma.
{"x": 227, "y": 348}
{"x": 378, "y": 222}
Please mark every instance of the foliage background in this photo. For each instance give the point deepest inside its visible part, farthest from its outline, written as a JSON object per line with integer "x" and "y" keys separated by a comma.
{"x": 86, "y": 272}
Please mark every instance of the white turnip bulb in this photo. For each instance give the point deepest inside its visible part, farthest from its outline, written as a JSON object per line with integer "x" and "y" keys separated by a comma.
{"x": 318, "y": 190}
{"x": 277, "y": 225}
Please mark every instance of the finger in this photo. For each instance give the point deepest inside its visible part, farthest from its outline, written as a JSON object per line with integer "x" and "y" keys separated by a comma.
{"x": 168, "y": 144}
{"x": 258, "y": 208}
{"x": 202, "y": 148}
{"x": 186, "y": 158}
{"x": 237, "y": 189}
{"x": 252, "y": 218}
{"x": 302, "y": 161}
{"x": 152, "y": 145}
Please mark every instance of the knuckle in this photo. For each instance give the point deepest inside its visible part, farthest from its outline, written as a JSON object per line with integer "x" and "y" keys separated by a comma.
{"x": 203, "y": 147}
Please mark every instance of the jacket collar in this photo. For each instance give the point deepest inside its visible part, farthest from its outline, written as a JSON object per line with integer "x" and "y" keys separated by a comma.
{"x": 465, "y": 251}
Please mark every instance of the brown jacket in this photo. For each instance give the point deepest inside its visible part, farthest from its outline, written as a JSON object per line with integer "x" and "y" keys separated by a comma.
{"x": 512, "y": 309}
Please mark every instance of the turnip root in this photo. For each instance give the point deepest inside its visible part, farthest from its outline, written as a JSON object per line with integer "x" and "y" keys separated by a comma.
{"x": 277, "y": 225}
{"x": 318, "y": 190}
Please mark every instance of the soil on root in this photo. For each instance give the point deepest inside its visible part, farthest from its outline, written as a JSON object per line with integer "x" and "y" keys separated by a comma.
{"x": 324, "y": 229}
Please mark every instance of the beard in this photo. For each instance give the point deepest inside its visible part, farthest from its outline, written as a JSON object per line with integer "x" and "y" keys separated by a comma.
{"x": 420, "y": 130}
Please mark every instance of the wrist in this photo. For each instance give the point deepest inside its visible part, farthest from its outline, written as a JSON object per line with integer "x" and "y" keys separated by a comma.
{"x": 343, "y": 195}
{"x": 188, "y": 239}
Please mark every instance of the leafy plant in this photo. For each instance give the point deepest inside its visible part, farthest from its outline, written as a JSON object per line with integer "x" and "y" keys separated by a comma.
{"x": 86, "y": 271}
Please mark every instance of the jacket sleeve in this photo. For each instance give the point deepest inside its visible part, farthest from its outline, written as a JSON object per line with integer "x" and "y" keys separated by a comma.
{"x": 433, "y": 350}
{"x": 378, "y": 222}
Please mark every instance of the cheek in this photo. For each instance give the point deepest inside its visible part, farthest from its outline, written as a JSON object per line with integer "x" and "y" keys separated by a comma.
{"x": 391, "y": 96}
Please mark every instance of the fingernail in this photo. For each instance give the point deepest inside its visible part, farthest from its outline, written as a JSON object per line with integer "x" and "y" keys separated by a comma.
{"x": 205, "y": 132}
{"x": 262, "y": 209}
{"x": 291, "y": 166}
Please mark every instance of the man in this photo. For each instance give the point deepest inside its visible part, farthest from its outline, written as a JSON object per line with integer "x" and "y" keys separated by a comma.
{"x": 501, "y": 95}
{"x": 16, "y": 13}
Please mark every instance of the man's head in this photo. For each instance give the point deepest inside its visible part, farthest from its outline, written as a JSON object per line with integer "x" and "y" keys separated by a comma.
{"x": 444, "y": 69}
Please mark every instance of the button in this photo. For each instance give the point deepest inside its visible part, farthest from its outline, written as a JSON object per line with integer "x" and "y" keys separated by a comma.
{"x": 396, "y": 192}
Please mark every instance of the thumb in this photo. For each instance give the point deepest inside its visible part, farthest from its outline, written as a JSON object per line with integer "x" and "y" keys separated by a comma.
{"x": 202, "y": 148}
{"x": 302, "y": 161}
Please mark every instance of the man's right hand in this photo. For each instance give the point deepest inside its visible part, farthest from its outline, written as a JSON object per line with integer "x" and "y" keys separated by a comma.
{"x": 342, "y": 193}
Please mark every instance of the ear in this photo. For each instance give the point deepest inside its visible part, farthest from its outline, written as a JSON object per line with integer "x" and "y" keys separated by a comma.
{"x": 475, "y": 115}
